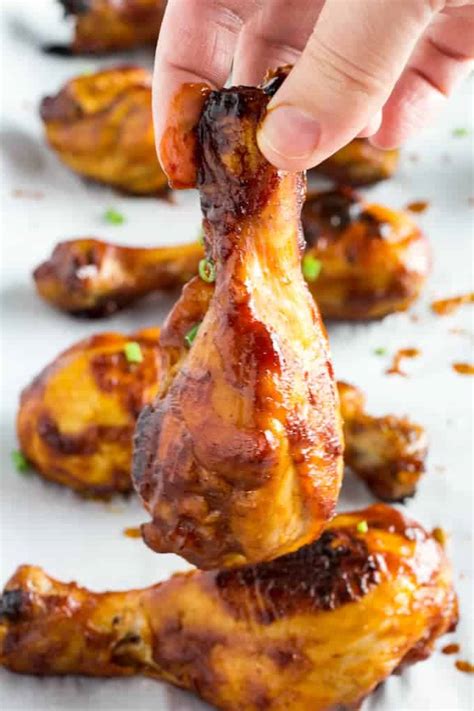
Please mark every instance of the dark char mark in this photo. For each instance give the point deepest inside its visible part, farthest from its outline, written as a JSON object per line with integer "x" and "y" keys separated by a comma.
{"x": 335, "y": 570}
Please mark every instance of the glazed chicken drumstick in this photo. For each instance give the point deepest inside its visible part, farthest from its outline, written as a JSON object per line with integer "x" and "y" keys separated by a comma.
{"x": 101, "y": 127}
{"x": 371, "y": 260}
{"x": 92, "y": 278}
{"x": 359, "y": 163}
{"x": 76, "y": 419}
{"x": 276, "y": 636}
{"x": 114, "y": 25}
{"x": 239, "y": 459}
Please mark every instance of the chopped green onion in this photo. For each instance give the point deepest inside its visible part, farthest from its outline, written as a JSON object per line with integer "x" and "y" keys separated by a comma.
{"x": 191, "y": 335}
{"x": 460, "y": 132}
{"x": 201, "y": 237}
{"x": 20, "y": 461}
{"x": 311, "y": 267}
{"x": 207, "y": 270}
{"x": 114, "y": 217}
{"x": 133, "y": 352}
{"x": 362, "y": 527}
{"x": 380, "y": 351}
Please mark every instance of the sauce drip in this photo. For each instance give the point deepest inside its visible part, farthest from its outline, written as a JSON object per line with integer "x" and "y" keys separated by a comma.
{"x": 418, "y": 206}
{"x": 132, "y": 532}
{"x": 440, "y": 535}
{"x": 400, "y": 355}
{"x": 451, "y": 649}
{"x": 466, "y": 667}
{"x": 447, "y": 306}
{"x": 464, "y": 368}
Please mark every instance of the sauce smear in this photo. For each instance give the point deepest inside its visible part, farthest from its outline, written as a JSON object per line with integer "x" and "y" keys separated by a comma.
{"x": 466, "y": 667}
{"x": 132, "y": 532}
{"x": 464, "y": 368}
{"x": 400, "y": 355}
{"x": 451, "y": 649}
{"x": 178, "y": 145}
{"x": 442, "y": 307}
{"x": 418, "y": 206}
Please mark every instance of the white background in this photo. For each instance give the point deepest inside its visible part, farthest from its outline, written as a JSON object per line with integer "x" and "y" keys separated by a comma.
{"x": 73, "y": 539}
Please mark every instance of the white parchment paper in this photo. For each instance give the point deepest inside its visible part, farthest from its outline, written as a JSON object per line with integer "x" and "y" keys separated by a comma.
{"x": 72, "y": 539}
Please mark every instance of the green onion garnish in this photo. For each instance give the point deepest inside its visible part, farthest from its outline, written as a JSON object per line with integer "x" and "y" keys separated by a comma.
{"x": 207, "y": 270}
{"x": 380, "y": 351}
{"x": 201, "y": 237}
{"x": 362, "y": 527}
{"x": 133, "y": 352}
{"x": 191, "y": 335}
{"x": 114, "y": 217}
{"x": 20, "y": 461}
{"x": 460, "y": 132}
{"x": 311, "y": 267}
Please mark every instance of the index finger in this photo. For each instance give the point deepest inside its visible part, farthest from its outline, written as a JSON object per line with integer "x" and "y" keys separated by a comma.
{"x": 196, "y": 44}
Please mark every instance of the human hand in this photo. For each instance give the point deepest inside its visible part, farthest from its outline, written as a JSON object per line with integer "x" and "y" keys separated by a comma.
{"x": 374, "y": 68}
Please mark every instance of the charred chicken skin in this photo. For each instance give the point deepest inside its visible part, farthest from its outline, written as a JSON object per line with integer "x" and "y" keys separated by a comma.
{"x": 76, "y": 420}
{"x": 359, "y": 163}
{"x": 90, "y": 390}
{"x": 374, "y": 261}
{"x": 113, "y": 25}
{"x": 239, "y": 459}
{"x": 101, "y": 127}
{"x": 280, "y": 635}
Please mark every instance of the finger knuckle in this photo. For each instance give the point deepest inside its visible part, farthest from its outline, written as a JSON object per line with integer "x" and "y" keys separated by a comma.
{"x": 341, "y": 71}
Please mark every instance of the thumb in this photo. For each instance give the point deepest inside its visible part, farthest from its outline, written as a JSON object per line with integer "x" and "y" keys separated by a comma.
{"x": 342, "y": 79}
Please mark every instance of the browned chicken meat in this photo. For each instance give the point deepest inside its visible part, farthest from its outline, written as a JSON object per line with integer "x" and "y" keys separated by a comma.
{"x": 359, "y": 163}
{"x": 90, "y": 397}
{"x": 89, "y": 277}
{"x": 370, "y": 261}
{"x": 101, "y": 127}
{"x": 315, "y": 630}
{"x": 112, "y": 25}
{"x": 76, "y": 420}
{"x": 239, "y": 459}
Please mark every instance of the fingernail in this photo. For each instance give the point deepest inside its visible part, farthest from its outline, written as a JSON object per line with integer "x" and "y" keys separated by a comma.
{"x": 290, "y": 132}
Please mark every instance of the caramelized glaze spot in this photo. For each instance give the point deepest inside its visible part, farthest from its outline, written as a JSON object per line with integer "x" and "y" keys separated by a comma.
{"x": 335, "y": 570}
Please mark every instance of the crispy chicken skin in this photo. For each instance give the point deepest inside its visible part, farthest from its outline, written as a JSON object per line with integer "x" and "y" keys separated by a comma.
{"x": 101, "y": 127}
{"x": 89, "y": 277}
{"x": 240, "y": 458}
{"x": 274, "y": 636}
{"x": 359, "y": 163}
{"x": 387, "y": 453}
{"x": 113, "y": 25}
{"x": 374, "y": 261}
{"x": 76, "y": 420}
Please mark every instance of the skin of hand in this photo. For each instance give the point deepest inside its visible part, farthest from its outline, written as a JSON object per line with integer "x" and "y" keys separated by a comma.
{"x": 392, "y": 63}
